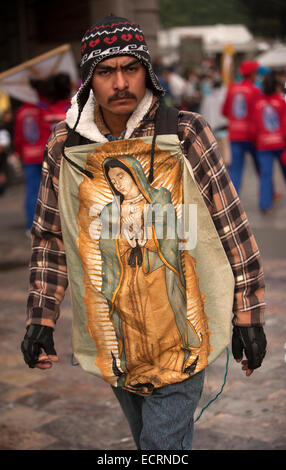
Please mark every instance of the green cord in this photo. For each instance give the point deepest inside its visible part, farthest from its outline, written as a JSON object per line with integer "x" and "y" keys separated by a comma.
{"x": 205, "y": 407}
{"x": 73, "y": 363}
{"x": 219, "y": 393}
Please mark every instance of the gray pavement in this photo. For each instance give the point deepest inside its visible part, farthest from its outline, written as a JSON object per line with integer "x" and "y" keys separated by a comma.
{"x": 67, "y": 409}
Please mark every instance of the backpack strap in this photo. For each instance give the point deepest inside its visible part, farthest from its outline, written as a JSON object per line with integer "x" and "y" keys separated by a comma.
{"x": 74, "y": 139}
{"x": 166, "y": 120}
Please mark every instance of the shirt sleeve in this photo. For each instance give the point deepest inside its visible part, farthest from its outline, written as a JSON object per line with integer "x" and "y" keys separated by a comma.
{"x": 229, "y": 218}
{"x": 48, "y": 270}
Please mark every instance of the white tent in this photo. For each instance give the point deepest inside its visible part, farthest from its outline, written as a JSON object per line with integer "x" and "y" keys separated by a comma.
{"x": 274, "y": 58}
{"x": 214, "y": 39}
{"x": 15, "y": 81}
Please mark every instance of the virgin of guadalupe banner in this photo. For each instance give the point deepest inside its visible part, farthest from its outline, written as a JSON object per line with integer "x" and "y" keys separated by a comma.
{"x": 151, "y": 287}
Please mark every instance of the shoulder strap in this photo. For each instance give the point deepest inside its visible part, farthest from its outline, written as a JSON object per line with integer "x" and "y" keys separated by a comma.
{"x": 74, "y": 139}
{"x": 166, "y": 120}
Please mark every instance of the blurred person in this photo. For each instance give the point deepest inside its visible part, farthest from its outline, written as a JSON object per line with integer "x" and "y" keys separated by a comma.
{"x": 5, "y": 146}
{"x": 163, "y": 77}
{"x": 206, "y": 83}
{"x": 176, "y": 84}
{"x": 281, "y": 90}
{"x": 59, "y": 101}
{"x": 268, "y": 127}
{"x": 29, "y": 142}
{"x": 237, "y": 108}
{"x": 210, "y": 109}
{"x": 281, "y": 77}
{"x": 191, "y": 95}
{"x": 107, "y": 153}
{"x": 158, "y": 66}
{"x": 283, "y": 163}
{"x": 7, "y": 124}
{"x": 262, "y": 71}
{"x": 33, "y": 126}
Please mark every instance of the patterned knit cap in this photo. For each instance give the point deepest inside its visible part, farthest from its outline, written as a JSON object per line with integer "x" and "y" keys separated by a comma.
{"x": 110, "y": 37}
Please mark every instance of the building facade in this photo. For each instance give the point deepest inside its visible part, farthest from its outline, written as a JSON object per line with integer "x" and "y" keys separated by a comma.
{"x": 32, "y": 27}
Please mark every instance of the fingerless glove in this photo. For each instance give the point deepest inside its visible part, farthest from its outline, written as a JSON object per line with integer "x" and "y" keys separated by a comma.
{"x": 36, "y": 339}
{"x": 252, "y": 341}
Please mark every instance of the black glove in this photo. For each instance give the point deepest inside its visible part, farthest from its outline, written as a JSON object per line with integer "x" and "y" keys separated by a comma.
{"x": 37, "y": 337}
{"x": 251, "y": 340}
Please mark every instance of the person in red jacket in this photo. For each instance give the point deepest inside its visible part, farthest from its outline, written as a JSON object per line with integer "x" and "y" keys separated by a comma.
{"x": 268, "y": 128}
{"x": 29, "y": 143}
{"x": 238, "y": 107}
{"x": 33, "y": 126}
{"x": 60, "y": 87}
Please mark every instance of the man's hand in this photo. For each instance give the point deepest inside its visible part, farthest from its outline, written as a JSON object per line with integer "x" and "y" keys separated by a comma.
{"x": 250, "y": 340}
{"x": 36, "y": 339}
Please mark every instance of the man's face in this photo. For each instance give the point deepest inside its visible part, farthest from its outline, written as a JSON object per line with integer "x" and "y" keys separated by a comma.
{"x": 119, "y": 85}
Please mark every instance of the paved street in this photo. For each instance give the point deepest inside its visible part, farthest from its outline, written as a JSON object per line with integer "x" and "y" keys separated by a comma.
{"x": 65, "y": 408}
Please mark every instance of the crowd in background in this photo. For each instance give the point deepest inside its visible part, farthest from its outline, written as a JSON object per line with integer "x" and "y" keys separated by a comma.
{"x": 248, "y": 116}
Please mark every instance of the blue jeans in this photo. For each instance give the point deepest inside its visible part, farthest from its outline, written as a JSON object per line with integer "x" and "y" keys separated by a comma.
{"x": 165, "y": 419}
{"x": 238, "y": 150}
{"x": 33, "y": 178}
{"x": 266, "y": 160}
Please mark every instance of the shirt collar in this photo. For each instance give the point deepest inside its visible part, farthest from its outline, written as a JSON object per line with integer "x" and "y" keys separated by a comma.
{"x": 102, "y": 127}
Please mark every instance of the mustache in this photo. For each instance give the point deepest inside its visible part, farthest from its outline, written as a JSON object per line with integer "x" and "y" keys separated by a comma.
{"x": 121, "y": 94}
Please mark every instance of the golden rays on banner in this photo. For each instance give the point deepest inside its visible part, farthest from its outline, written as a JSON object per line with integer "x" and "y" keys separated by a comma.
{"x": 144, "y": 290}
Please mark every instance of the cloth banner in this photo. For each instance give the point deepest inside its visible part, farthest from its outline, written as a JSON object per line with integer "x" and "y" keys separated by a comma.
{"x": 151, "y": 286}
{"x": 15, "y": 81}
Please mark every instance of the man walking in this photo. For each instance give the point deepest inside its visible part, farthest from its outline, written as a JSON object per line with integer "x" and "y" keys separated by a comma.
{"x": 151, "y": 308}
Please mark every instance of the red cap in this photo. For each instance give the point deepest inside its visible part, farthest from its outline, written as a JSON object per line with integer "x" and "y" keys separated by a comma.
{"x": 247, "y": 67}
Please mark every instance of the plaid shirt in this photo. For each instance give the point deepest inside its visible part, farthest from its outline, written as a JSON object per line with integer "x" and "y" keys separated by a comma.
{"x": 48, "y": 270}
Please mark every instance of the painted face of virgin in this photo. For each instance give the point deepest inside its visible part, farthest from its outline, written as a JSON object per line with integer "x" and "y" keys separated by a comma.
{"x": 123, "y": 183}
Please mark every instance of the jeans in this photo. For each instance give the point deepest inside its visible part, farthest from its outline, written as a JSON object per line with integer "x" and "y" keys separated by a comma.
{"x": 238, "y": 150}
{"x": 33, "y": 178}
{"x": 266, "y": 160}
{"x": 165, "y": 419}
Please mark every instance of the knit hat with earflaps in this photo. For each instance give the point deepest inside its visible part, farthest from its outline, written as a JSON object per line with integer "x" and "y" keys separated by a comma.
{"x": 111, "y": 37}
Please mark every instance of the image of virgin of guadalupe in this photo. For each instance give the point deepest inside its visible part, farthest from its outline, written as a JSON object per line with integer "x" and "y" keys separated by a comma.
{"x": 143, "y": 281}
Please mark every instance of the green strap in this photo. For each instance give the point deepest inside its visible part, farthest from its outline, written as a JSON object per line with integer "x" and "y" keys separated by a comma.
{"x": 221, "y": 390}
{"x": 73, "y": 362}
